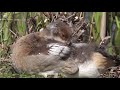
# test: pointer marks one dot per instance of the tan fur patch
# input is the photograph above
(100, 61)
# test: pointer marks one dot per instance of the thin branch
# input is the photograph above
(13, 33)
(78, 29)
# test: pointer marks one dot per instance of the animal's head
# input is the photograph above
(60, 31)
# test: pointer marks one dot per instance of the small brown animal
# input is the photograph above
(31, 52)
(43, 52)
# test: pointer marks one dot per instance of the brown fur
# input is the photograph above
(101, 62)
(26, 57)
(25, 52)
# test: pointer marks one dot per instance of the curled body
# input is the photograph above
(46, 52)
(31, 52)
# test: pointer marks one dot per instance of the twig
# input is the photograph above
(71, 16)
(5, 60)
(77, 29)
(13, 33)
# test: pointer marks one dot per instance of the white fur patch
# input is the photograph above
(88, 69)
(57, 49)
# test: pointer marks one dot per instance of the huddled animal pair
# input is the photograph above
(46, 52)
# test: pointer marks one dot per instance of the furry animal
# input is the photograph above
(31, 52)
(84, 62)
(46, 52)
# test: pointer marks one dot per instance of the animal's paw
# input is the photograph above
(58, 49)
